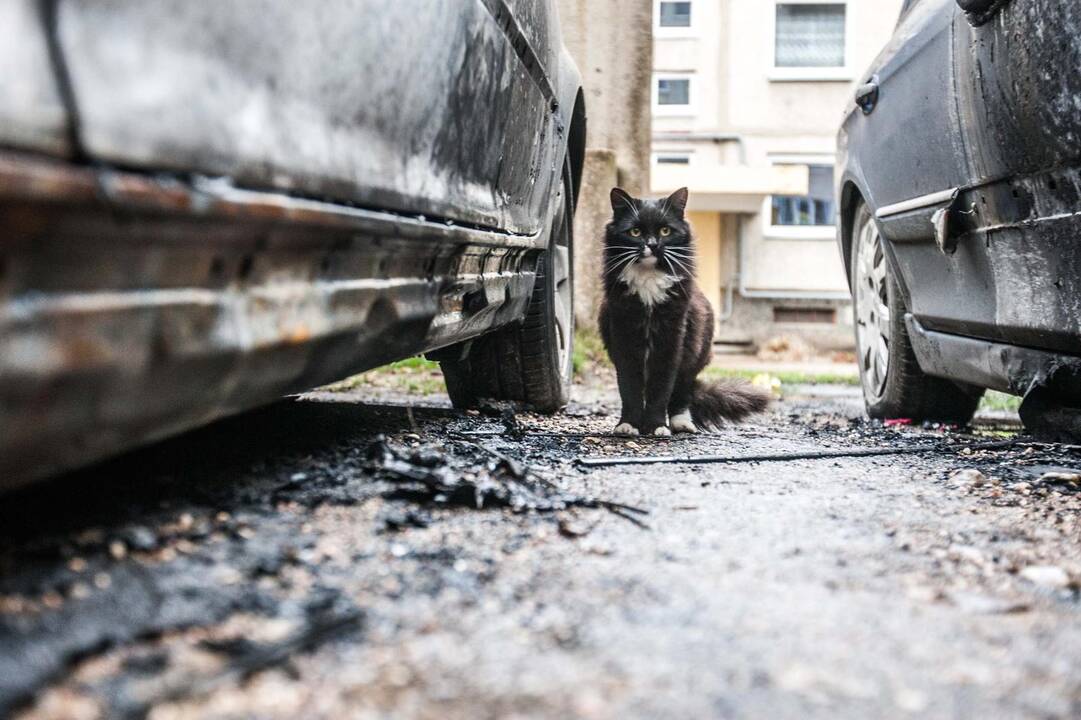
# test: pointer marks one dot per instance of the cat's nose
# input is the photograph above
(647, 251)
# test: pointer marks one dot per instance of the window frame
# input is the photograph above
(799, 232)
(688, 110)
(828, 73)
(663, 31)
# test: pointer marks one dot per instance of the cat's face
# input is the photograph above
(649, 234)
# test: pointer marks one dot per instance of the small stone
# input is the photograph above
(911, 701)
(968, 553)
(1047, 576)
(969, 477)
(141, 538)
(1061, 478)
(118, 550)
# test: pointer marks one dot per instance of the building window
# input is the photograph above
(674, 94)
(816, 209)
(673, 91)
(810, 35)
(672, 159)
(675, 14)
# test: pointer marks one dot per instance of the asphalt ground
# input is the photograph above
(344, 555)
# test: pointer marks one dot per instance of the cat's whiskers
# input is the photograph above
(675, 274)
(621, 256)
(670, 259)
(686, 252)
(688, 259)
(620, 263)
(685, 270)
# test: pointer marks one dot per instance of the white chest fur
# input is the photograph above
(649, 283)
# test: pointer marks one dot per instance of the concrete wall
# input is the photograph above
(612, 42)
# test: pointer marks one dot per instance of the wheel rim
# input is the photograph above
(564, 288)
(872, 312)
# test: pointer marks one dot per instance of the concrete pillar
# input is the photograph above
(612, 42)
(594, 211)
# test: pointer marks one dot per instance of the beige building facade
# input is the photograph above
(747, 96)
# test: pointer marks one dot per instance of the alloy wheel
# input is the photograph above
(872, 311)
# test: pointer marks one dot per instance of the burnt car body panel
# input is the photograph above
(412, 106)
(257, 200)
(32, 113)
(1002, 273)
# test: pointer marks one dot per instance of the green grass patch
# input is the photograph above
(413, 363)
(589, 351)
(786, 377)
(414, 376)
(997, 401)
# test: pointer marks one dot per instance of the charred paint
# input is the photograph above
(411, 106)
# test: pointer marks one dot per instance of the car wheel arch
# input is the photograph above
(851, 198)
(576, 144)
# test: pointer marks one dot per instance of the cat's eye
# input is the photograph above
(666, 231)
(635, 232)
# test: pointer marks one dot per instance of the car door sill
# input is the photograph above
(999, 366)
(135, 306)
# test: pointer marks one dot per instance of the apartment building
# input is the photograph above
(747, 98)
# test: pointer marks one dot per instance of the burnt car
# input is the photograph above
(208, 206)
(960, 211)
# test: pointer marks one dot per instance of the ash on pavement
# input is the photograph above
(330, 558)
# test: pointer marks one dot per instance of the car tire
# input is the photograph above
(893, 384)
(531, 361)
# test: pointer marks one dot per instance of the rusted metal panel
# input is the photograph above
(425, 106)
(32, 114)
(133, 306)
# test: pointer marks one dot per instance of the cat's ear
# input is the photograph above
(678, 201)
(621, 201)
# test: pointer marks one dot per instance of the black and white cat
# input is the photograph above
(658, 326)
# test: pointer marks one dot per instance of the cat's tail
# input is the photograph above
(728, 399)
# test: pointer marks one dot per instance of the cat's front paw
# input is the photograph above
(626, 429)
(683, 423)
(662, 431)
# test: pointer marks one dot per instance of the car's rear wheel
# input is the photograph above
(531, 361)
(894, 386)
